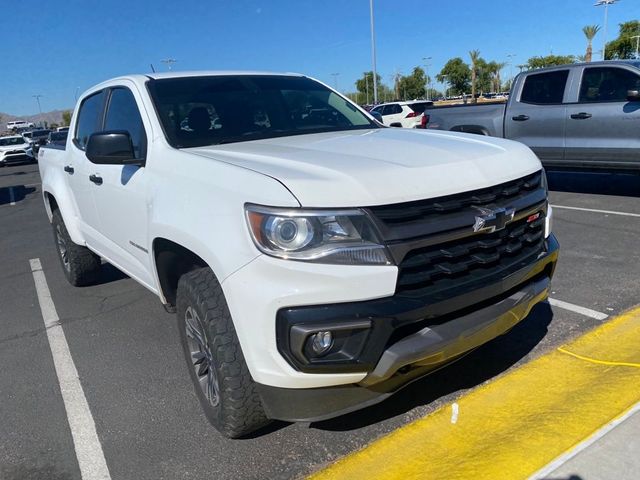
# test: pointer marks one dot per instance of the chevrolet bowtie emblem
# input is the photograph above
(491, 220)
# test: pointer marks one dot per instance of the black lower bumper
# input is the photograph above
(422, 340)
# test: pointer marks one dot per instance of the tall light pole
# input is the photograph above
(606, 4)
(637, 39)
(446, 87)
(510, 56)
(335, 80)
(373, 54)
(37, 97)
(168, 62)
(426, 70)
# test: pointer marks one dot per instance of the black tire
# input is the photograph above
(223, 384)
(80, 265)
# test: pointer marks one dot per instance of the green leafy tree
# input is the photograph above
(457, 75)
(590, 31)
(623, 46)
(549, 61)
(413, 86)
(66, 118)
(364, 85)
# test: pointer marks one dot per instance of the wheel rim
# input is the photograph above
(62, 247)
(201, 357)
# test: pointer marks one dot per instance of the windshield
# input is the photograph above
(11, 141)
(212, 110)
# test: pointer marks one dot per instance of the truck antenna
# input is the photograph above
(152, 69)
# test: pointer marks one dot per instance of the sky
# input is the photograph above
(62, 48)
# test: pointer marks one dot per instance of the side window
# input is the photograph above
(607, 84)
(89, 117)
(387, 110)
(123, 114)
(544, 88)
(397, 108)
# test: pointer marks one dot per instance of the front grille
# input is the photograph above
(471, 260)
(392, 215)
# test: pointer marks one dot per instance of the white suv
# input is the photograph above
(18, 125)
(402, 114)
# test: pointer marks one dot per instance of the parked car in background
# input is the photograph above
(583, 115)
(13, 149)
(19, 125)
(316, 261)
(57, 138)
(402, 114)
(62, 129)
(36, 139)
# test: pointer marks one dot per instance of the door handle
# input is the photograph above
(96, 179)
(69, 169)
(580, 116)
(520, 118)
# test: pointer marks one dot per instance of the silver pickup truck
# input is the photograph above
(584, 115)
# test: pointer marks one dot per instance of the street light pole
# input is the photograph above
(168, 62)
(637, 39)
(510, 57)
(606, 4)
(373, 54)
(426, 70)
(335, 80)
(37, 97)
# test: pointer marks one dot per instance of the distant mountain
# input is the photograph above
(54, 116)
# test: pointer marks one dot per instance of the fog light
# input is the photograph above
(321, 342)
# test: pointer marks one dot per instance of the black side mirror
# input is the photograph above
(377, 116)
(633, 95)
(112, 148)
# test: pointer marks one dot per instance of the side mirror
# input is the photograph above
(633, 95)
(377, 116)
(111, 148)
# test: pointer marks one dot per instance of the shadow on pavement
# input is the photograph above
(15, 194)
(598, 183)
(479, 366)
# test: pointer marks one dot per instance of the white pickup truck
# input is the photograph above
(317, 261)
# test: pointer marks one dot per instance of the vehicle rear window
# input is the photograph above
(607, 84)
(211, 110)
(544, 88)
(420, 107)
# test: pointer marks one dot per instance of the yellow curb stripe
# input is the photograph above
(518, 423)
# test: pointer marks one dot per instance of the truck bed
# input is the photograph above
(486, 119)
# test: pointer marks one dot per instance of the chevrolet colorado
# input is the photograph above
(583, 115)
(316, 260)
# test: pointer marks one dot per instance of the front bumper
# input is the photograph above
(416, 340)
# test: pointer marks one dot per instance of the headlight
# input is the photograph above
(548, 224)
(345, 237)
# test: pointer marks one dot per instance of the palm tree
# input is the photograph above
(590, 32)
(474, 55)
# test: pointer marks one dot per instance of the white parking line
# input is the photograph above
(609, 212)
(12, 196)
(91, 461)
(578, 309)
(565, 457)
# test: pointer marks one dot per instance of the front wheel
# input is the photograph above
(223, 384)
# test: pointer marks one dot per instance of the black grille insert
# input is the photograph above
(508, 192)
(471, 259)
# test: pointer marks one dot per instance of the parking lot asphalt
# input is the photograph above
(126, 350)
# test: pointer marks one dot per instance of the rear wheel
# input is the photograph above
(80, 265)
(223, 384)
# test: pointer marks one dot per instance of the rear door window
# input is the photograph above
(544, 88)
(89, 118)
(607, 84)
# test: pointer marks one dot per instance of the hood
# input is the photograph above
(378, 167)
(6, 148)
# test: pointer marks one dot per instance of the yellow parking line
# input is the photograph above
(518, 423)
